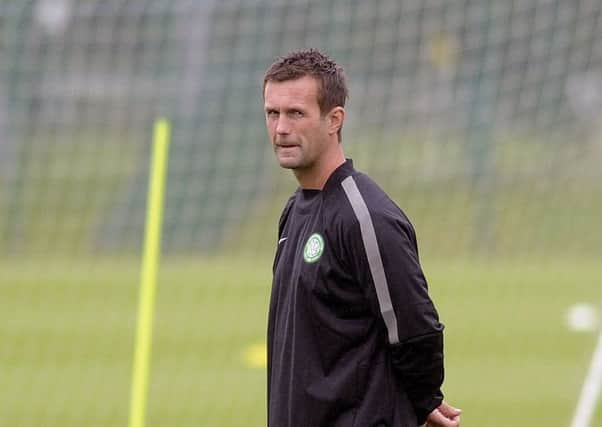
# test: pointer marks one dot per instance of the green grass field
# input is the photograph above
(67, 332)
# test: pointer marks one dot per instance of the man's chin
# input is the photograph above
(288, 163)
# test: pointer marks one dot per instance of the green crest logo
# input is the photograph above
(313, 248)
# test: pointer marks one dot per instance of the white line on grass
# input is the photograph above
(590, 390)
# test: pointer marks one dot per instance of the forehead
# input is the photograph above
(303, 91)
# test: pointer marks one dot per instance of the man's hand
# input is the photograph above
(444, 416)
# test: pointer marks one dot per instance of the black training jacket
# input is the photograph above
(353, 337)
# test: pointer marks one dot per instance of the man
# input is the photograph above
(353, 337)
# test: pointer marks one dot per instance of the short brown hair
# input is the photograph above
(332, 85)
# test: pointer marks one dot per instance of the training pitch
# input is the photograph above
(67, 333)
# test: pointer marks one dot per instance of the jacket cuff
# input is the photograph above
(423, 412)
(419, 364)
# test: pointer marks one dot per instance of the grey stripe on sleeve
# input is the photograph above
(373, 254)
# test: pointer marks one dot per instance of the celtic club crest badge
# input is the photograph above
(313, 248)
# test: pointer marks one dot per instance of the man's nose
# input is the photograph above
(282, 126)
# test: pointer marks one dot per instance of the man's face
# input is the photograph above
(297, 130)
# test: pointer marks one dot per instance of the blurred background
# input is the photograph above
(481, 118)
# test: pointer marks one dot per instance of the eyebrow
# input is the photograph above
(268, 108)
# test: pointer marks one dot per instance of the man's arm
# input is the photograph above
(386, 259)
(384, 253)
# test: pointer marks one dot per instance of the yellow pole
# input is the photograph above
(148, 278)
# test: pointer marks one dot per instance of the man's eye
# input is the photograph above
(272, 113)
(297, 113)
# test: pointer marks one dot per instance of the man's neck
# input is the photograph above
(316, 177)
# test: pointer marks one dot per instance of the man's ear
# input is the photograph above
(336, 117)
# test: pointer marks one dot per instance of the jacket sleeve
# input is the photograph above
(384, 257)
(281, 223)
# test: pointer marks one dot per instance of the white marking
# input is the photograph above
(590, 390)
(582, 318)
(375, 261)
(282, 240)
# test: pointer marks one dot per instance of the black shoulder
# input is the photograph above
(288, 207)
(361, 189)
